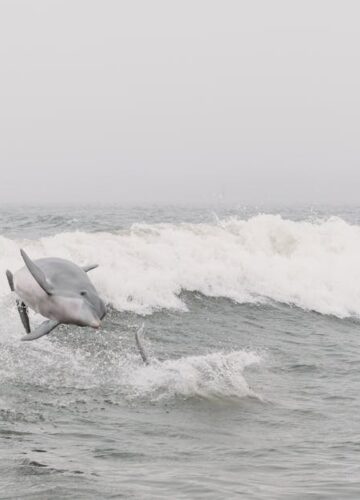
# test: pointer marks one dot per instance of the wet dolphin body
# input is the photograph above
(59, 290)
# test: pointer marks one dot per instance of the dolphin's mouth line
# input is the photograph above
(96, 325)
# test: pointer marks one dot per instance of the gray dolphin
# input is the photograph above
(58, 290)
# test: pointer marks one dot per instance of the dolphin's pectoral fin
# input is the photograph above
(44, 329)
(21, 307)
(23, 311)
(37, 273)
(139, 346)
(89, 267)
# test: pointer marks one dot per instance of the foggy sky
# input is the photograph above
(179, 101)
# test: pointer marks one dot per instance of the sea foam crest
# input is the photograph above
(314, 265)
(215, 375)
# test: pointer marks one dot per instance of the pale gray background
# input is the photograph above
(180, 101)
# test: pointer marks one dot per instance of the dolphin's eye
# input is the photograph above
(83, 293)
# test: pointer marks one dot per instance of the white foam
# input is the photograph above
(214, 375)
(314, 265)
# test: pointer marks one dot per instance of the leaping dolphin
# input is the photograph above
(58, 290)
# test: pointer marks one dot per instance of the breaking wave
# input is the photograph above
(314, 265)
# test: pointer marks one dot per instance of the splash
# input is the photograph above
(51, 364)
(216, 375)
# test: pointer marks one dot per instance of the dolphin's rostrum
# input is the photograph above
(58, 290)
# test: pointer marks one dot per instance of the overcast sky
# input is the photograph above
(190, 101)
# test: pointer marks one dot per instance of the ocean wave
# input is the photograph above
(314, 265)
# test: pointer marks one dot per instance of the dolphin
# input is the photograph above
(57, 289)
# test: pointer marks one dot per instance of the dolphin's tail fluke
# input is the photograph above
(10, 279)
(139, 346)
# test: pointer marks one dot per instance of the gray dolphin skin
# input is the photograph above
(58, 290)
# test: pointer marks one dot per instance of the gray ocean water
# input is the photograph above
(252, 323)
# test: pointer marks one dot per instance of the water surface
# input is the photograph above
(252, 325)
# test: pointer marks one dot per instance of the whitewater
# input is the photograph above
(251, 324)
(313, 265)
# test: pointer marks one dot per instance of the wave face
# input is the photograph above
(314, 265)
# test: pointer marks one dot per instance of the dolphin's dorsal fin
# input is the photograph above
(89, 267)
(139, 345)
(37, 273)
